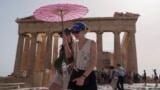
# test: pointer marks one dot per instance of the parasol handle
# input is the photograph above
(62, 21)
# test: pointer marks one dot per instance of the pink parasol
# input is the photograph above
(60, 12)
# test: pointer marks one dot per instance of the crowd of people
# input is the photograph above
(115, 76)
(78, 59)
(103, 77)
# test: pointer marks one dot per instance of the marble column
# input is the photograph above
(132, 55)
(117, 48)
(25, 53)
(32, 53)
(37, 61)
(43, 49)
(18, 60)
(55, 47)
(48, 52)
(99, 49)
(40, 53)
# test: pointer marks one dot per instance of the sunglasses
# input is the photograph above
(76, 32)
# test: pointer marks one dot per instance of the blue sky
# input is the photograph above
(147, 35)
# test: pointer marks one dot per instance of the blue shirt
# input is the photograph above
(121, 71)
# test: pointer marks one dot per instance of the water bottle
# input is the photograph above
(64, 69)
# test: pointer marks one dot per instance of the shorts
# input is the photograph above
(89, 83)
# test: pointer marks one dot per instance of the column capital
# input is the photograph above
(99, 32)
(132, 31)
(21, 34)
(26, 35)
(49, 33)
(116, 32)
(34, 34)
(56, 34)
(39, 42)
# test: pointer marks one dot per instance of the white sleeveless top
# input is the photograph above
(82, 57)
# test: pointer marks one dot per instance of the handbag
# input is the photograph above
(58, 62)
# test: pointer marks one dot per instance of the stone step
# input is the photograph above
(32, 88)
(9, 86)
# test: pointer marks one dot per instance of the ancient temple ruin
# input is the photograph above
(37, 46)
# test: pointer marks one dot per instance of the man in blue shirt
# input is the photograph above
(121, 77)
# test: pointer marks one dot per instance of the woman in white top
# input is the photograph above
(85, 59)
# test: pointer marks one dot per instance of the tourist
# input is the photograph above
(113, 77)
(83, 76)
(130, 77)
(57, 83)
(101, 78)
(155, 77)
(145, 77)
(121, 77)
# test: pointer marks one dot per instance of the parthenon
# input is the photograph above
(37, 46)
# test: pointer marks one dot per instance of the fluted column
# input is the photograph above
(25, 53)
(17, 65)
(40, 53)
(32, 53)
(37, 61)
(48, 52)
(117, 48)
(99, 49)
(55, 47)
(43, 49)
(132, 55)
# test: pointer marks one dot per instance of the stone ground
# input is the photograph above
(135, 86)
(138, 86)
